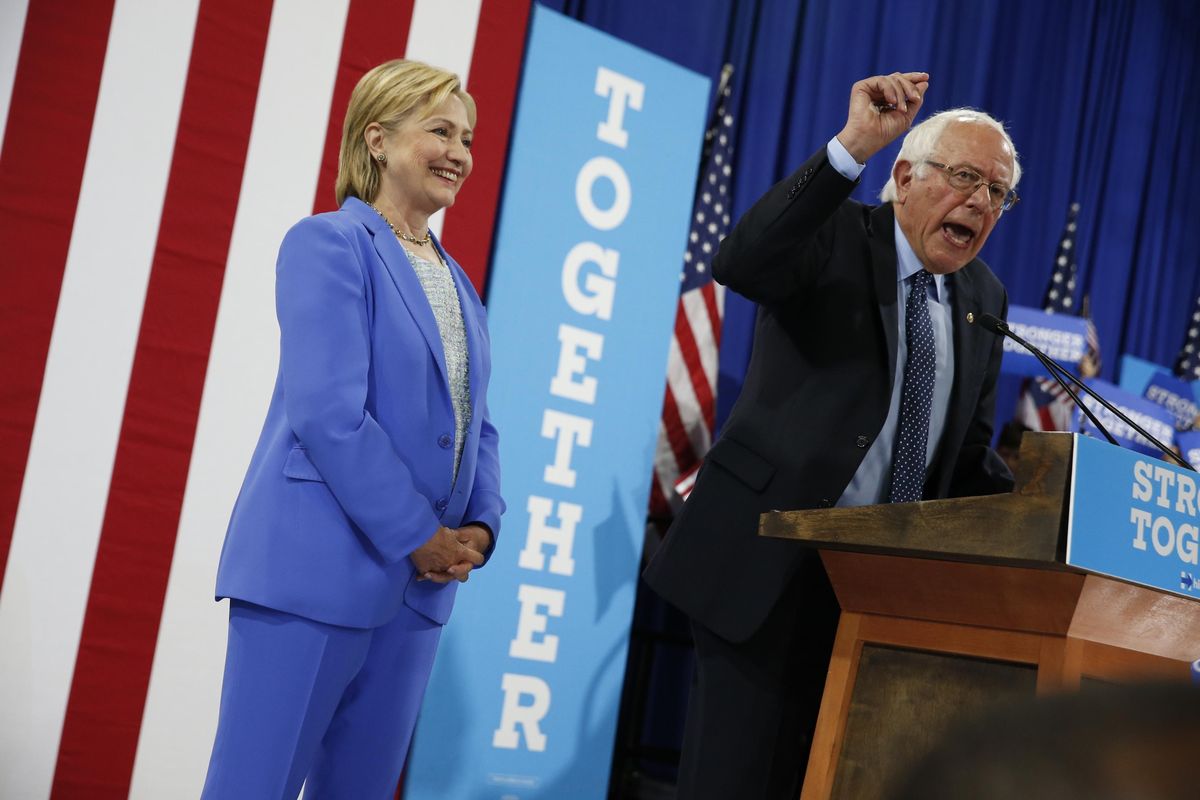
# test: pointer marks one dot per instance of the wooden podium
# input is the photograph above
(950, 605)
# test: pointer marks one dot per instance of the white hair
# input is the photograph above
(920, 142)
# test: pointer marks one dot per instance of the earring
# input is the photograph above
(381, 158)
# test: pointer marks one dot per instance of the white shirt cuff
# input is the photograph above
(842, 161)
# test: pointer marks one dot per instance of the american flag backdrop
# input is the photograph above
(1043, 405)
(153, 155)
(689, 405)
(1187, 363)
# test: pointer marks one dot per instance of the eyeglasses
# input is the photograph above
(966, 180)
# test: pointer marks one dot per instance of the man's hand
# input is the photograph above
(448, 555)
(881, 108)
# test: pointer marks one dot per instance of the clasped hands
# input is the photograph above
(451, 553)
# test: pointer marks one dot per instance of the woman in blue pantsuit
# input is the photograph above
(375, 486)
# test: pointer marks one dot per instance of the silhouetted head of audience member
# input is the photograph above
(1105, 743)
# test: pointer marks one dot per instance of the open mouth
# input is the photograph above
(959, 235)
(445, 174)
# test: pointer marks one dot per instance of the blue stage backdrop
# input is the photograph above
(524, 697)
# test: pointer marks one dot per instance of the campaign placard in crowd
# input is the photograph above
(1175, 395)
(1136, 373)
(1156, 419)
(1189, 447)
(1134, 517)
(594, 222)
(1062, 337)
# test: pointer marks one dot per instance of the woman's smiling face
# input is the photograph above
(428, 159)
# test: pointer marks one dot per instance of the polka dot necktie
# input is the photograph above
(916, 395)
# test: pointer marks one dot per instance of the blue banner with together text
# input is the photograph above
(1134, 517)
(525, 691)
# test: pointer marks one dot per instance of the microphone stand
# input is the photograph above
(1058, 372)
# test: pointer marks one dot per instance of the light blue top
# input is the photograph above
(873, 480)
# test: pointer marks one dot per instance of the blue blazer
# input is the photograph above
(354, 467)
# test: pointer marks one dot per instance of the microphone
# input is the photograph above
(999, 327)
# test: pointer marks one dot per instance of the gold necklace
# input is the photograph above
(405, 236)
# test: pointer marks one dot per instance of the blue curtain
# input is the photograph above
(1101, 97)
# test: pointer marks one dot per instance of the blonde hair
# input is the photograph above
(388, 94)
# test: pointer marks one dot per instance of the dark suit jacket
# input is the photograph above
(823, 269)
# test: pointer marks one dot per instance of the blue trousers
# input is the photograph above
(305, 701)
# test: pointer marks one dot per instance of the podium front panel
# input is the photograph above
(901, 704)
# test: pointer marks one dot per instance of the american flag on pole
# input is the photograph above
(689, 406)
(1187, 363)
(152, 155)
(1043, 405)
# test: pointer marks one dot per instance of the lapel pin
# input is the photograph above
(971, 317)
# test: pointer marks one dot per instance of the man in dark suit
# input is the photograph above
(868, 384)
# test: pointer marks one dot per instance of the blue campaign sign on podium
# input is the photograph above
(584, 285)
(1134, 517)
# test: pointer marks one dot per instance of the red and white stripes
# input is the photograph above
(153, 155)
(689, 405)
